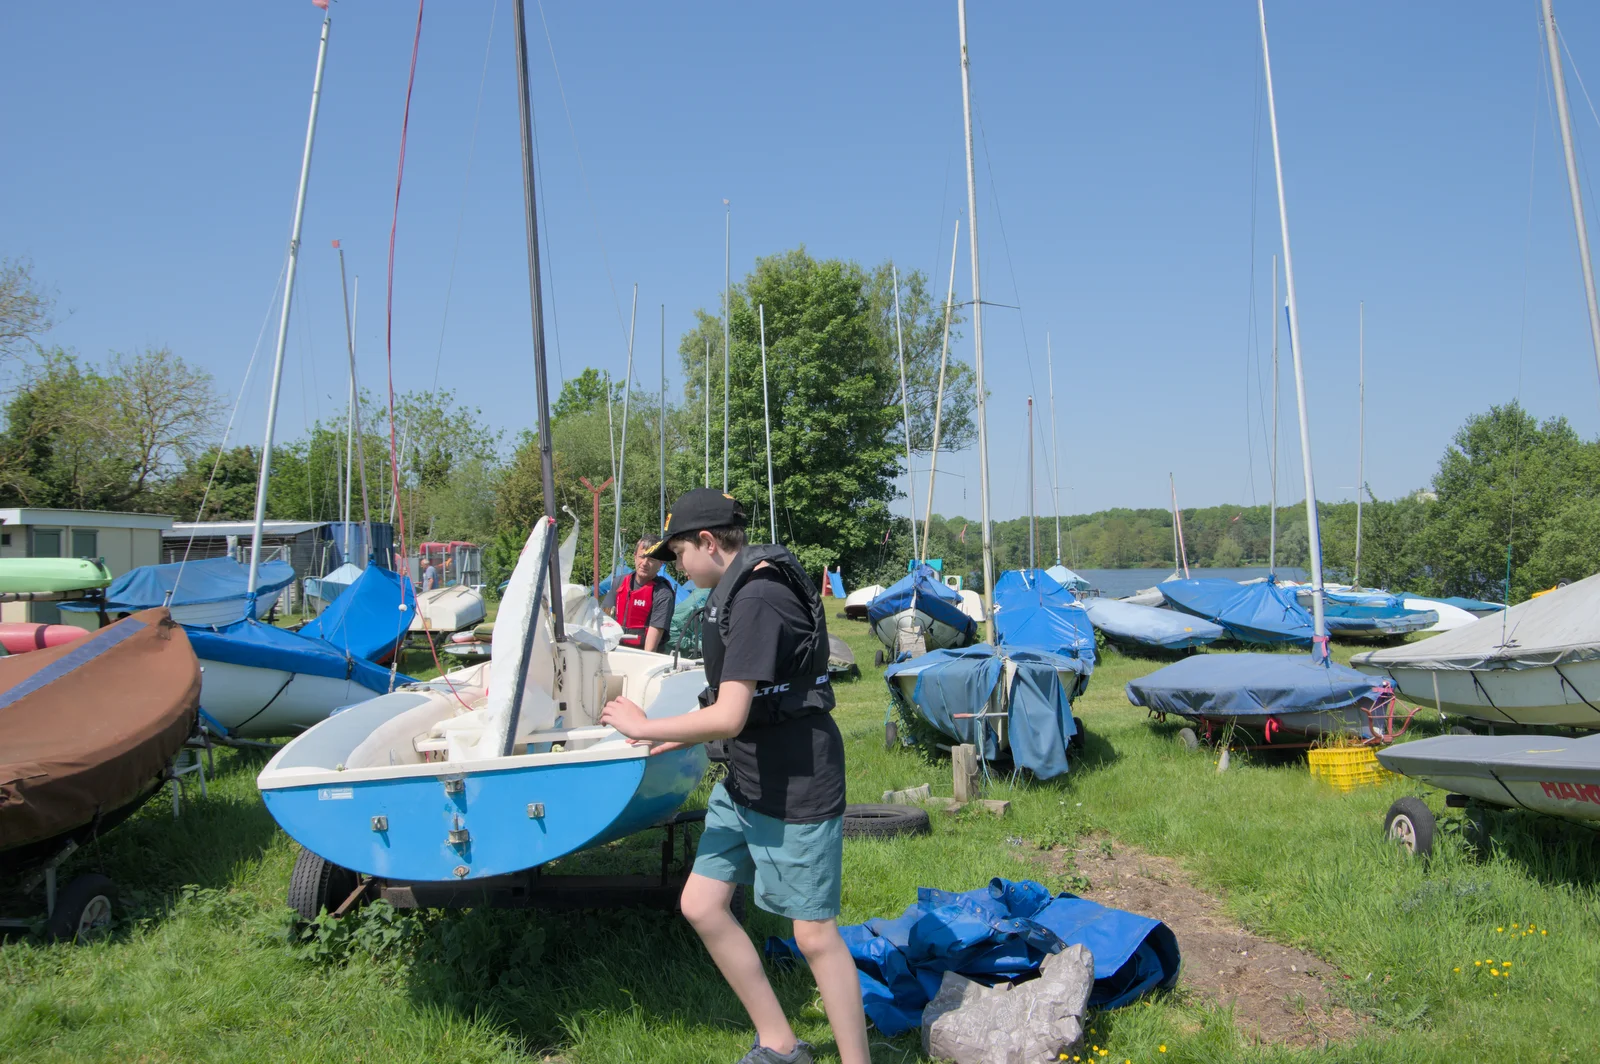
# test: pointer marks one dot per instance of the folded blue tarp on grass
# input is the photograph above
(996, 934)
(370, 617)
(1252, 613)
(959, 681)
(1031, 609)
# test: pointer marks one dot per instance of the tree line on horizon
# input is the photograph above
(1511, 509)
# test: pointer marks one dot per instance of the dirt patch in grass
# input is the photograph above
(1278, 994)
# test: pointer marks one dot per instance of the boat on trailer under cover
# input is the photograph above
(921, 603)
(496, 768)
(1543, 774)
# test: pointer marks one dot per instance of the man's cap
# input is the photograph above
(699, 509)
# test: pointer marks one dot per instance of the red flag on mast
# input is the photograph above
(321, 3)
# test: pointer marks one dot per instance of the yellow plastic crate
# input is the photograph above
(1347, 767)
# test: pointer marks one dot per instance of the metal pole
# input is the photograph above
(1313, 530)
(536, 297)
(708, 415)
(1558, 76)
(622, 456)
(766, 416)
(283, 325)
(977, 319)
(1361, 430)
(361, 440)
(905, 412)
(355, 420)
(1033, 522)
(662, 420)
(1272, 535)
(938, 399)
(595, 531)
(1055, 451)
(727, 253)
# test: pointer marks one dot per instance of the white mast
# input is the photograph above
(938, 399)
(661, 420)
(1055, 452)
(1033, 522)
(708, 414)
(1272, 540)
(622, 458)
(1361, 429)
(727, 257)
(1558, 76)
(905, 412)
(1313, 530)
(766, 417)
(350, 311)
(283, 323)
(977, 322)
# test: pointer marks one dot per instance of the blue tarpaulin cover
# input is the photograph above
(1252, 613)
(1031, 609)
(1369, 618)
(932, 598)
(1067, 578)
(1243, 685)
(263, 646)
(1147, 626)
(1039, 715)
(999, 933)
(1471, 605)
(370, 617)
(203, 580)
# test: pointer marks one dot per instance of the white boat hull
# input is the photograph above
(937, 634)
(448, 609)
(254, 702)
(1545, 696)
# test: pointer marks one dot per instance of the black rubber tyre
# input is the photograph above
(1411, 824)
(891, 735)
(1188, 738)
(316, 885)
(1459, 730)
(1080, 738)
(84, 910)
(842, 615)
(877, 658)
(884, 821)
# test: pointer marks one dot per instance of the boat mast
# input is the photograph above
(1313, 530)
(1361, 428)
(350, 310)
(662, 420)
(1272, 535)
(977, 323)
(1558, 76)
(708, 415)
(1180, 552)
(536, 297)
(622, 456)
(938, 398)
(283, 325)
(766, 417)
(1033, 522)
(727, 258)
(1055, 452)
(905, 413)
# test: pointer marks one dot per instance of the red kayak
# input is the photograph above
(19, 637)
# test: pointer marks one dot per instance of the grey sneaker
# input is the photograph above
(760, 1054)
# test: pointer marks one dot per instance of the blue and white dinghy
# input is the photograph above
(920, 604)
(497, 768)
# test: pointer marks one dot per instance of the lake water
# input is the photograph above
(1117, 583)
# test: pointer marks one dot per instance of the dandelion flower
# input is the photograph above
(1477, 964)
(1499, 930)
(1458, 969)
(1505, 964)
(1542, 931)
(1162, 1049)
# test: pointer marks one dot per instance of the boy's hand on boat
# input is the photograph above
(624, 715)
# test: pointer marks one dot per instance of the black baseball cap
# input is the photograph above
(696, 510)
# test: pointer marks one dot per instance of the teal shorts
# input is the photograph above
(796, 869)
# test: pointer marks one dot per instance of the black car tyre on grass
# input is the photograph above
(884, 821)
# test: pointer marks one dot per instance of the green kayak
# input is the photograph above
(38, 575)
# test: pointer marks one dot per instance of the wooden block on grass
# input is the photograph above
(994, 806)
(964, 768)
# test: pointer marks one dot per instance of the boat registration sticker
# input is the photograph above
(335, 794)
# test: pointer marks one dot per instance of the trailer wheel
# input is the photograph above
(1411, 823)
(891, 735)
(884, 821)
(877, 658)
(84, 910)
(317, 885)
(1080, 737)
(1188, 738)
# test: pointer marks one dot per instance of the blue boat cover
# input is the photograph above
(1067, 578)
(202, 580)
(1360, 617)
(932, 597)
(1471, 605)
(1147, 626)
(1358, 598)
(1032, 610)
(1252, 613)
(263, 646)
(1244, 685)
(370, 617)
(380, 550)
(999, 933)
(960, 681)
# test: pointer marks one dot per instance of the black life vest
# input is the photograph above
(787, 697)
(633, 610)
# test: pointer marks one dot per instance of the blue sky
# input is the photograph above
(1125, 198)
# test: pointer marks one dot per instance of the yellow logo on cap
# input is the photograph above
(730, 498)
(668, 524)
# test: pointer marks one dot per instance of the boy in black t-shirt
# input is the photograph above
(776, 821)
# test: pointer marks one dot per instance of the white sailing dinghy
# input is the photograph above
(497, 768)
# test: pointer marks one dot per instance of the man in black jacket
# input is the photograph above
(776, 821)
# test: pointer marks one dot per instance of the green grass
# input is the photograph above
(200, 969)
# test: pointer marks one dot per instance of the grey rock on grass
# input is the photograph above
(1032, 1023)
